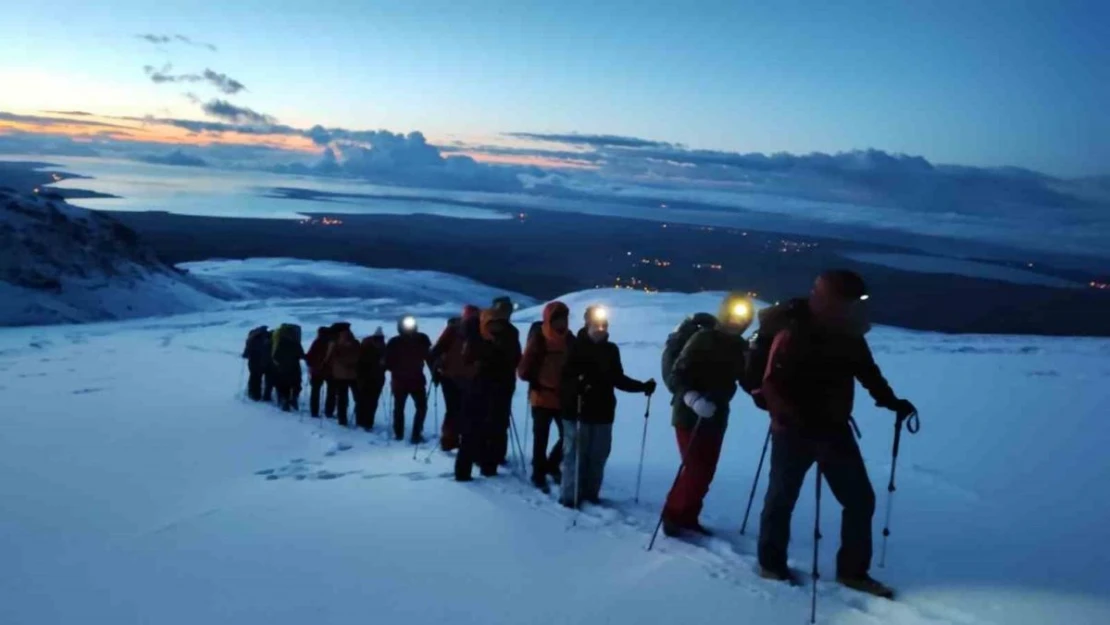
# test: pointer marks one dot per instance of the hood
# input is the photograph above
(470, 311)
(322, 332)
(489, 320)
(552, 310)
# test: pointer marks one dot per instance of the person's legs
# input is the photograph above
(399, 398)
(600, 444)
(315, 384)
(791, 458)
(254, 383)
(541, 430)
(842, 465)
(572, 440)
(343, 398)
(420, 399)
(452, 400)
(555, 460)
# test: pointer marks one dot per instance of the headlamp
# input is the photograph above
(599, 314)
(864, 297)
(409, 323)
(740, 310)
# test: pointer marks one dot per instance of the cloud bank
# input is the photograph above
(222, 82)
(164, 39)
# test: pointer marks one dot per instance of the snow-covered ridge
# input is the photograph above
(61, 263)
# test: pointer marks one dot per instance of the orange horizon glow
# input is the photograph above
(87, 129)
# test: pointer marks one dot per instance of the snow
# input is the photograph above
(136, 486)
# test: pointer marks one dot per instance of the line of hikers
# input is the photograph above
(800, 366)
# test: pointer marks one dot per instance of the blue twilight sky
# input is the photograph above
(973, 82)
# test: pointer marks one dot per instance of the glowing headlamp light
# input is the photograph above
(599, 315)
(741, 310)
(409, 323)
(864, 298)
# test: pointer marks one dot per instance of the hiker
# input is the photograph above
(257, 352)
(809, 390)
(341, 364)
(317, 374)
(492, 349)
(501, 403)
(405, 357)
(370, 380)
(287, 355)
(704, 378)
(450, 373)
(545, 356)
(595, 371)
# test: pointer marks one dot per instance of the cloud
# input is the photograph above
(41, 120)
(224, 110)
(176, 158)
(594, 141)
(164, 39)
(222, 82)
(70, 113)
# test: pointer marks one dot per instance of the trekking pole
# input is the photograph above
(527, 426)
(577, 464)
(435, 404)
(514, 443)
(681, 466)
(519, 445)
(755, 481)
(913, 424)
(816, 541)
(643, 444)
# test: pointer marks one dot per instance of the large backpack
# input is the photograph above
(772, 320)
(678, 339)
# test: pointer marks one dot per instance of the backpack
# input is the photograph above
(772, 320)
(678, 339)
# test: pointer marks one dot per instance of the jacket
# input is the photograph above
(288, 355)
(544, 359)
(405, 357)
(317, 352)
(712, 364)
(371, 359)
(342, 358)
(809, 383)
(494, 353)
(593, 373)
(258, 349)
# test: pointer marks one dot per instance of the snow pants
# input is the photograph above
(315, 384)
(420, 399)
(544, 464)
(501, 411)
(452, 400)
(838, 458)
(685, 501)
(339, 395)
(589, 445)
(475, 429)
(260, 383)
(368, 394)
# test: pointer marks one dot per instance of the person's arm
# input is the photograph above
(869, 375)
(780, 365)
(391, 355)
(426, 345)
(683, 375)
(526, 370)
(620, 380)
(443, 343)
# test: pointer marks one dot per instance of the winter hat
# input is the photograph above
(379, 332)
(503, 303)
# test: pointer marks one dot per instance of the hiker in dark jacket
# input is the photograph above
(492, 351)
(405, 358)
(371, 379)
(594, 372)
(542, 367)
(258, 353)
(288, 354)
(809, 388)
(317, 375)
(451, 374)
(501, 404)
(704, 379)
(341, 363)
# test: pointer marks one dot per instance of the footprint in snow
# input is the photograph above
(338, 448)
(86, 391)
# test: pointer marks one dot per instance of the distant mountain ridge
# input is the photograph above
(61, 263)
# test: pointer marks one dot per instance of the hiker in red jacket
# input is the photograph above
(809, 389)
(542, 367)
(405, 357)
(451, 374)
(316, 371)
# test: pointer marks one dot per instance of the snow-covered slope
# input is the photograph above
(136, 487)
(61, 264)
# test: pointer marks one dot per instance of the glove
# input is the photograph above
(649, 388)
(699, 404)
(904, 408)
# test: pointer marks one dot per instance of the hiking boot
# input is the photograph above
(594, 500)
(783, 574)
(698, 528)
(556, 476)
(398, 436)
(540, 482)
(567, 504)
(417, 439)
(671, 528)
(867, 584)
(464, 478)
(489, 471)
